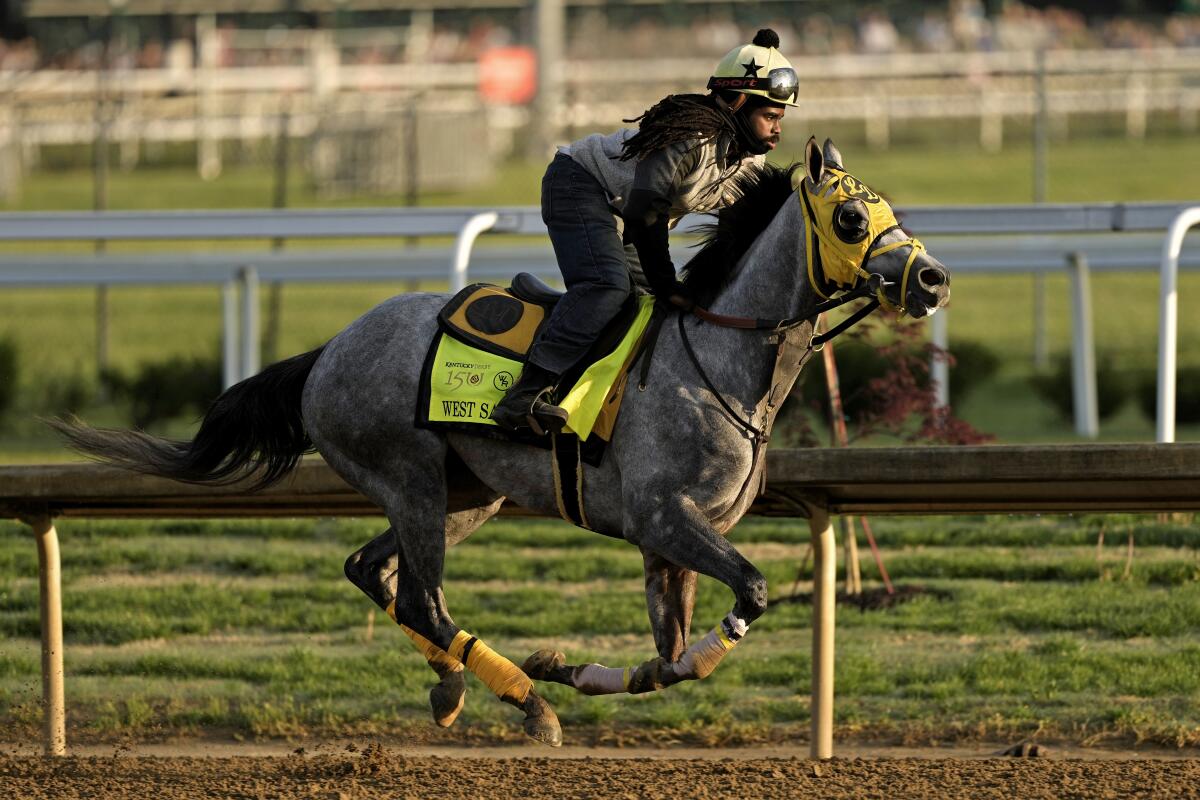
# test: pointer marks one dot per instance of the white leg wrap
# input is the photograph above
(735, 627)
(698, 661)
(595, 679)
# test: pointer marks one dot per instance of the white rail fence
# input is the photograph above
(1168, 319)
(969, 239)
(208, 103)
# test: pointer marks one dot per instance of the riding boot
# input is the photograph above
(527, 403)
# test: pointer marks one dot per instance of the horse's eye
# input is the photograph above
(850, 221)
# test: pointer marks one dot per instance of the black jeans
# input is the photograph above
(595, 265)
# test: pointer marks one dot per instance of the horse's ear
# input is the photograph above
(832, 157)
(814, 161)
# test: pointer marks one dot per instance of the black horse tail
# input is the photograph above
(254, 428)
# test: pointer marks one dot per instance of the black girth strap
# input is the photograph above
(568, 478)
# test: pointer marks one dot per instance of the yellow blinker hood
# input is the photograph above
(840, 262)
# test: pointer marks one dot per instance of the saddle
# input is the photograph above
(484, 334)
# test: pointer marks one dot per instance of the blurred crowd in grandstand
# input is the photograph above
(959, 25)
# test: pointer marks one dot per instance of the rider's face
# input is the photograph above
(766, 122)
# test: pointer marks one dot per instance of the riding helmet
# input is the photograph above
(757, 69)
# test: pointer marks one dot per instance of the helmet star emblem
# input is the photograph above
(751, 69)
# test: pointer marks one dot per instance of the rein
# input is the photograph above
(872, 288)
(757, 434)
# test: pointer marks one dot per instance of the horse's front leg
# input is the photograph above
(670, 598)
(670, 593)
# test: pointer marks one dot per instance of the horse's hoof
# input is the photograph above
(538, 665)
(447, 698)
(541, 723)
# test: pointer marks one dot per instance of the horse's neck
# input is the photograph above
(769, 282)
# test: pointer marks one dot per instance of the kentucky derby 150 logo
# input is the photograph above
(459, 374)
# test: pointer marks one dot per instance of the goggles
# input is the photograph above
(781, 83)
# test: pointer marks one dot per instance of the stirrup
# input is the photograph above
(531, 412)
(547, 419)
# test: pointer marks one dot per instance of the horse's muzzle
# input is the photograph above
(931, 292)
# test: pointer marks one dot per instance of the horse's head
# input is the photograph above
(852, 236)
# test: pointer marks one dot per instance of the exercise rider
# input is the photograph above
(608, 202)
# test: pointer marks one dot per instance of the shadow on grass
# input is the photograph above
(876, 599)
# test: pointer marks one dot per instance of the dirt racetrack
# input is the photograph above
(378, 772)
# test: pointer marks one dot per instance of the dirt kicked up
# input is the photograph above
(378, 772)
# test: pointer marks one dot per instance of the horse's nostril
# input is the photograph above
(931, 277)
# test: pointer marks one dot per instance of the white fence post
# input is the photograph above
(1168, 320)
(1083, 349)
(824, 603)
(50, 603)
(550, 30)
(230, 368)
(248, 278)
(939, 369)
(208, 39)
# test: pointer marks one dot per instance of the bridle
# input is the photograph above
(862, 284)
(817, 238)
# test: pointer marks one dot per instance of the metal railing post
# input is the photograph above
(230, 369)
(463, 244)
(824, 545)
(50, 604)
(1083, 349)
(248, 278)
(1168, 320)
(939, 370)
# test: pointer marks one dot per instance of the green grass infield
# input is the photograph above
(1018, 627)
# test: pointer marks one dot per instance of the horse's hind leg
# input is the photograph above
(421, 606)
(374, 568)
(413, 492)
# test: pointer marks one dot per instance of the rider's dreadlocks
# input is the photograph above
(678, 118)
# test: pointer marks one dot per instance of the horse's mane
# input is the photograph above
(761, 193)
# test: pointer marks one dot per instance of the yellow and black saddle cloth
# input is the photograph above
(484, 333)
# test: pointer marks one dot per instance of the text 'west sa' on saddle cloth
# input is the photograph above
(483, 335)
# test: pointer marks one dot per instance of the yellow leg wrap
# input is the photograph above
(708, 652)
(499, 674)
(436, 656)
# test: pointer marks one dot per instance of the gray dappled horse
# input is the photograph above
(686, 456)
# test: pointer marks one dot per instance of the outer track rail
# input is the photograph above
(801, 483)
